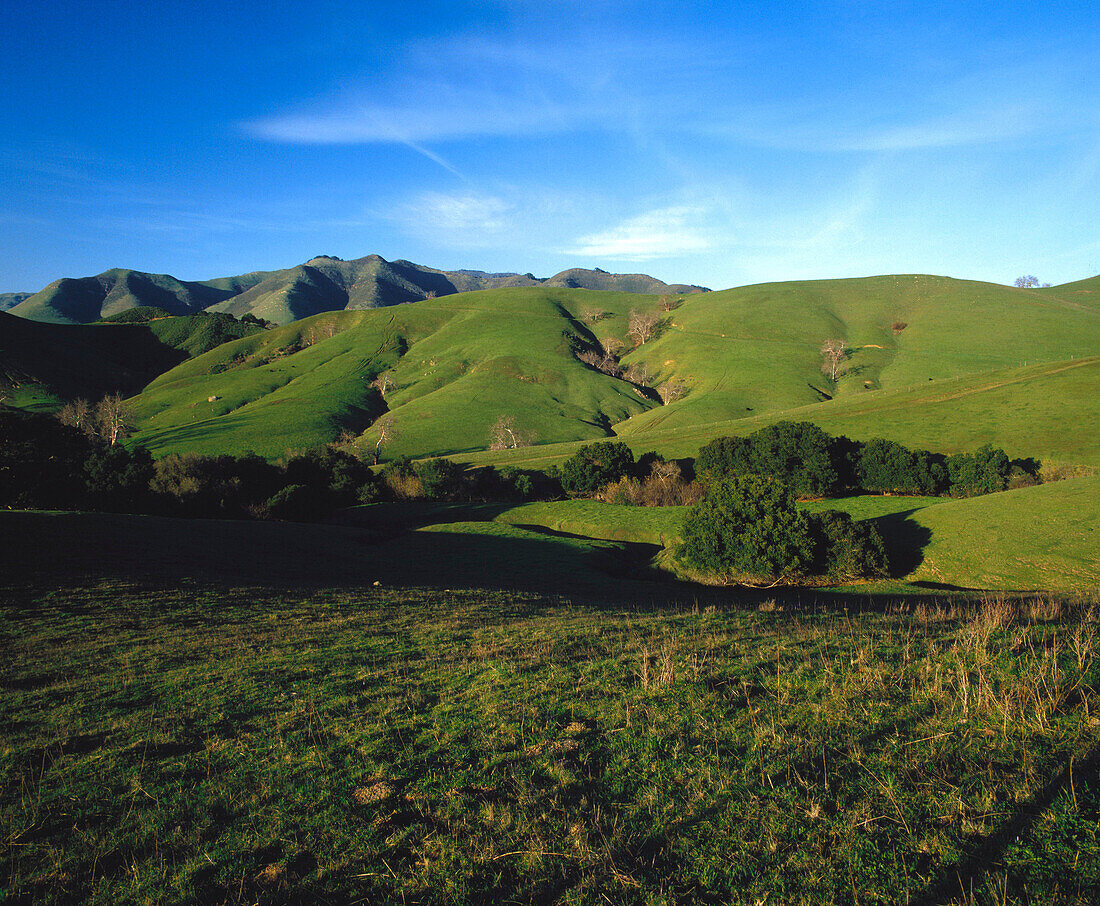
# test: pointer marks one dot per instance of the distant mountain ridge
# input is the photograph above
(10, 300)
(319, 285)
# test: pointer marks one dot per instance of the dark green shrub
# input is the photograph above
(440, 479)
(118, 479)
(886, 467)
(595, 465)
(725, 456)
(798, 453)
(41, 461)
(335, 476)
(199, 486)
(982, 472)
(848, 549)
(748, 528)
(517, 483)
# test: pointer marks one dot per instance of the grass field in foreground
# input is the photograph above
(250, 744)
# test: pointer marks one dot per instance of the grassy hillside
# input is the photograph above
(935, 363)
(457, 365)
(1046, 411)
(1040, 537)
(757, 349)
(57, 361)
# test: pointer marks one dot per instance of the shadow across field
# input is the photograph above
(1080, 777)
(905, 541)
(54, 547)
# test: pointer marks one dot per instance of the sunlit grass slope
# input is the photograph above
(457, 364)
(935, 362)
(757, 349)
(1045, 411)
(1045, 537)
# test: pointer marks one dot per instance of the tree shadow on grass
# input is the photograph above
(958, 881)
(905, 541)
(58, 548)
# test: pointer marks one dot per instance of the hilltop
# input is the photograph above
(321, 284)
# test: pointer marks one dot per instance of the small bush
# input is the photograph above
(118, 479)
(440, 479)
(886, 467)
(595, 465)
(664, 485)
(748, 529)
(401, 478)
(983, 472)
(848, 549)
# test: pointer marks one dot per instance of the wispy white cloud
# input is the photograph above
(464, 219)
(476, 85)
(845, 131)
(663, 233)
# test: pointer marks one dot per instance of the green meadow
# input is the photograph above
(516, 702)
(276, 743)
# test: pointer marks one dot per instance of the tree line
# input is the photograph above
(816, 464)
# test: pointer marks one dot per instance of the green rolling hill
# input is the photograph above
(43, 363)
(935, 362)
(457, 365)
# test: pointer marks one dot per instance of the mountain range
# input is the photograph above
(322, 284)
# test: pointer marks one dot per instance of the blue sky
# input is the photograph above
(712, 143)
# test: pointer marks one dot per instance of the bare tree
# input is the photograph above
(670, 391)
(592, 313)
(112, 418)
(669, 303)
(1027, 281)
(383, 383)
(504, 435)
(612, 345)
(642, 325)
(833, 352)
(78, 414)
(665, 472)
(387, 432)
(638, 373)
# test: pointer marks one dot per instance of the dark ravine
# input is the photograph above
(321, 284)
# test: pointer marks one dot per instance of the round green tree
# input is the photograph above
(748, 528)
